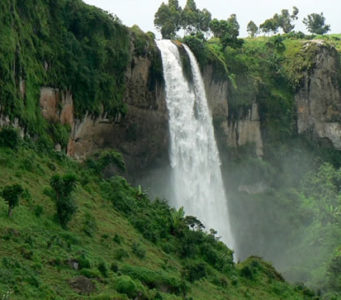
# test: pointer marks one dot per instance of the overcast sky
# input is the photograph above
(141, 12)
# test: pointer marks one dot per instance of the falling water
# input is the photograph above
(197, 181)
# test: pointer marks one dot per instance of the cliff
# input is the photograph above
(319, 98)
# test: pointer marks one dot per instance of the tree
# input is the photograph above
(226, 30)
(194, 20)
(62, 188)
(9, 137)
(168, 19)
(252, 29)
(11, 194)
(270, 25)
(283, 21)
(315, 23)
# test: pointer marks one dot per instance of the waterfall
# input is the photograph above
(196, 176)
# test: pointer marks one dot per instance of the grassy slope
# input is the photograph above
(35, 250)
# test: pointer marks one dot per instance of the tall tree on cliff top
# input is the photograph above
(195, 20)
(171, 17)
(315, 23)
(168, 19)
(283, 21)
(252, 29)
(226, 30)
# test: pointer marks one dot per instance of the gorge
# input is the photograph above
(81, 94)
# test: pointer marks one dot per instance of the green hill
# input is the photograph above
(118, 245)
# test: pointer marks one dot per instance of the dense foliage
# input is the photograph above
(118, 245)
(63, 44)
(316, 23)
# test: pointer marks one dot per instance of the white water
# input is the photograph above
(197, 181)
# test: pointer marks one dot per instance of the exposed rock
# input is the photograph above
(6, 121)
(217, 94)
(82, 285)
(319, 99)
(141, 136)
(231, 134)
(56, 106)
(246, 131)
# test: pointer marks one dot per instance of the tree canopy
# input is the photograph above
(168, 19)
(226, 30)
(284, 21)
(11, 194)
(252, 29)
(315, 23)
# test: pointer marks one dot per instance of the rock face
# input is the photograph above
(246, 131)
(56, 106)
(319, 99)
(234, 133)
(142, 136)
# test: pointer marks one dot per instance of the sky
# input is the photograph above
(141, 12)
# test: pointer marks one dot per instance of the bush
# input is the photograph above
(90, 273)
(9, 137)
(125, 285)
(11, 194)
(38, 210)
(120, 254)
(155, 279)
(102, 267)
(138, 250)
(117, 239)
(194, 271)
(114, 267)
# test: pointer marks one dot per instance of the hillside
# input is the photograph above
(119, 244)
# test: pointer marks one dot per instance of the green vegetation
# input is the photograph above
(283, 21)
(11, 194)
(118, 242)
(293, 217)
(62, 44)
(316, 23)
(299, 206)
(62, 189)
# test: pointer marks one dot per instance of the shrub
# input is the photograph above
(125, 285)
(38, 210)
(9, 137)
(194, 271)
(11, 194)
(114, 267)
(246, 272)
(102, 267)
(120, 254)
(83, 262)
(90, 273)
(117, 239)
(138, 250)
(155, 279)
